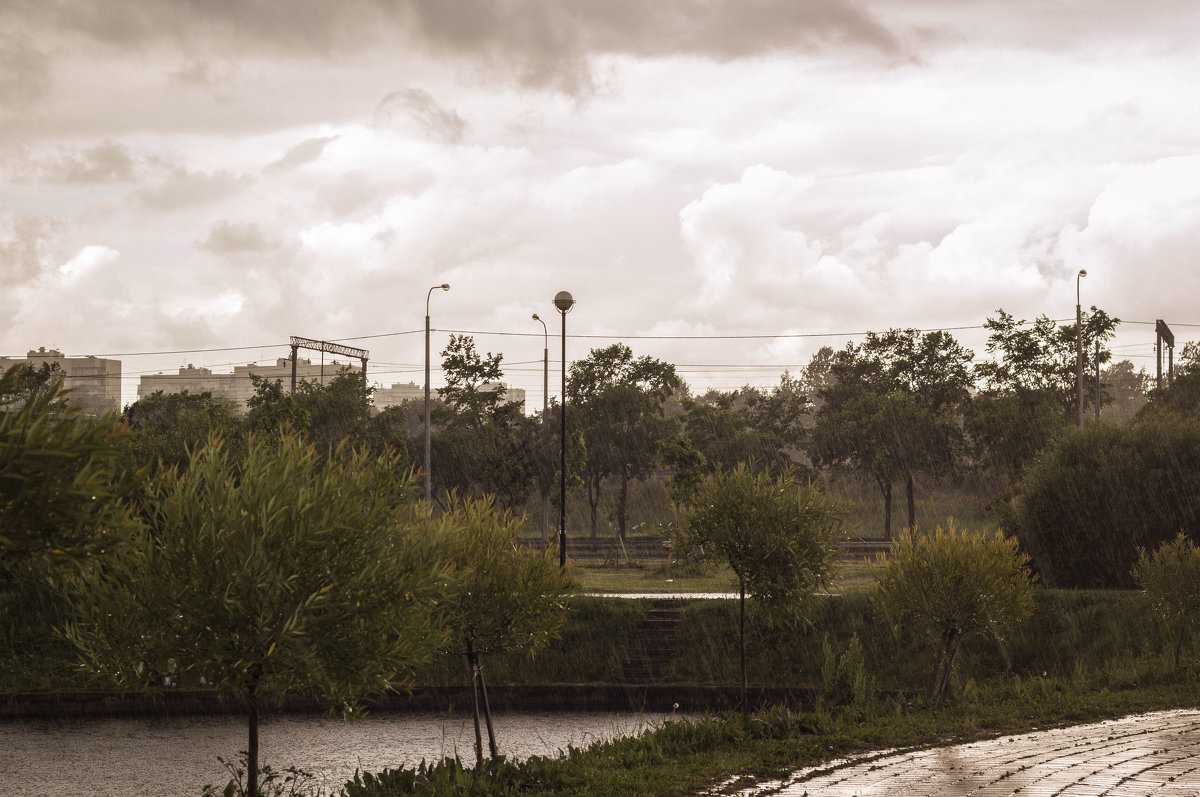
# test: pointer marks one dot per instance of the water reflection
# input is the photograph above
(177, 756)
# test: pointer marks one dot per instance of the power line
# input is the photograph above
(772, 336)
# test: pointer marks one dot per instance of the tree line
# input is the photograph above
(898, 410)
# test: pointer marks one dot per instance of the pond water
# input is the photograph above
(170, 757)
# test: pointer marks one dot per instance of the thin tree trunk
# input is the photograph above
(475, 705)
(1179, 645)
(593, 497)
(252, 744)
(886, 489)
(949, 669)
(912, 506)
(622, 506)
(937, 668)
(742, 647)
(487, 708)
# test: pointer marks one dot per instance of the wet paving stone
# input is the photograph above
(1149, 754)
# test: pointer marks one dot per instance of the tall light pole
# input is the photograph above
(563, 301)
(1079, 344)
(545, 418)
(428, 485)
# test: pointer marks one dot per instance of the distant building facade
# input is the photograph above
(236, 387)
(94, 382)
(397, 394)
(508, 395)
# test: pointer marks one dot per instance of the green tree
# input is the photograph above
(952, 583)
(1097, 494)
(270, 575)
(471, 392)
(167, 426)
(780, 539)
(1030, 386)
(337, 411)
(890, 410)
(1008, 430)
(1181, 397)
(509, 597)
(1170, 576)
(1029, 392)
(780, 416)
(616, 401)
(62, 481)
(483, 444)
(499, 457)
(1042, 357)
(271, 409)
(1125, 390)
(29, 379)
(719, 427)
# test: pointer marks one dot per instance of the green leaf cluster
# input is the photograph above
(61, 478)
(1093, 498)
(270, 575)
(780, 538)
(1170, 576)
(951, 583)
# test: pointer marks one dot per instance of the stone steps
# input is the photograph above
(652, 647)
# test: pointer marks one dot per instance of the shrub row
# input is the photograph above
(1071, 633)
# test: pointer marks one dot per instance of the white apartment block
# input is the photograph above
(236, 387)
(397, 394)
(94, 382)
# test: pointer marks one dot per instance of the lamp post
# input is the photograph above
(428, 486)
(545, 418)
(563, 301)
(1079, 345)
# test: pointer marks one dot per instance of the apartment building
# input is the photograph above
(94, 382)
(237, 387)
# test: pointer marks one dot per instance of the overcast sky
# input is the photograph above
(187, 175)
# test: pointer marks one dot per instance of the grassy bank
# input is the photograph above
(1105, 639)
(688, 758)
(1102, 638)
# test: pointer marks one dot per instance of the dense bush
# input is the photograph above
(950, 584)
(1170, 575)
(1070, 632)
(1099, 494)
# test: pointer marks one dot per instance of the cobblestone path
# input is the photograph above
(1149, 754)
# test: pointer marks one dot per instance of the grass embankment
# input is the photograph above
(1083, 656)
(720, 755)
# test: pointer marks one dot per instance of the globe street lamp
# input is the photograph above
(563, 301)
(428, 487)
(545, 417)
(1079, 344)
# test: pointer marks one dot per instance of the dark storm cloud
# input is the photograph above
(182, 188)
(304, 152)
(20, 249)
(539, 43)
(107, 162)
(25, 75)
(419, 108)
(235, 237)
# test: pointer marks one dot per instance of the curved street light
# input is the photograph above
(545, 418)
(1079, 345)
(428, 484)
(563, 302)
